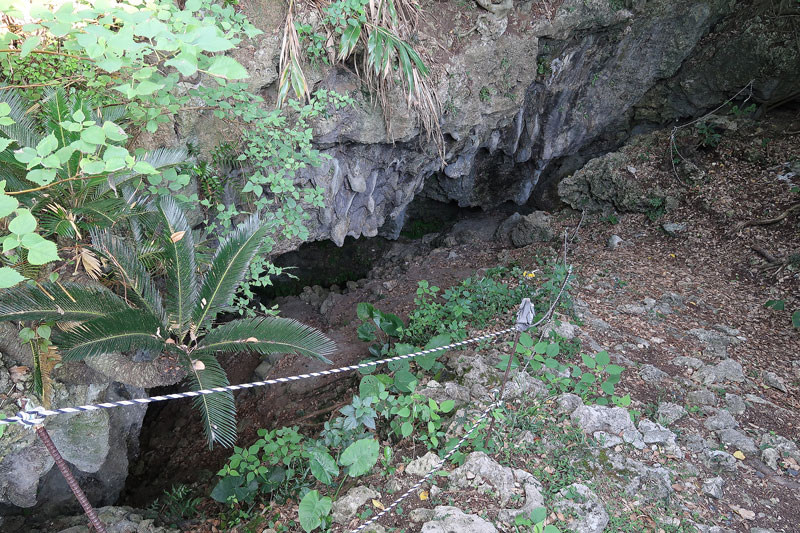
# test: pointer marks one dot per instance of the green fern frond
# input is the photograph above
(118, 332)
(132, 272)
(52, 301)
(182, 280)
(228, 268)
(218, 410)
(268, 335)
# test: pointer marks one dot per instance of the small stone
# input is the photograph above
(422, 465)
(652, 375)
(735, 404)
(747, 514)
(727, 370)
(670, 412)
(722, 420)
(720, 461)
(771, 456)
(701, 397)
(738, 440)
(713, 487)
(614, 242)
(632, 309)
(346, 507)
(772, 379)
(673, 229)
(607, 440)
(567, 403)
(390, 285)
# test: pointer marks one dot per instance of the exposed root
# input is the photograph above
(768, 221)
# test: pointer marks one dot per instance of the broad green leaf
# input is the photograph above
(227, 67)
(4, 143)
(92, 167)
(29, 45)
(360, 457)
(23, 223)
(41, 176)
(541, 347)
(778, 305)
(40, 250)
(114, 132)
(614, 370)
(607, 387)
(323, 466)
(602, 358)
(9, 277)
(143, 167)
(553, 349)
(796, 319)
(7, 203)
(526, 340)
(370, 386)
(186, 64)
(406, 428)
(405, 381)
(588, 360)
(365, 311)
(311, 510)
(93, 135)
(5, 109)
(25, 154)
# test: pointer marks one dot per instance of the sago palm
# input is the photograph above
(180, 324)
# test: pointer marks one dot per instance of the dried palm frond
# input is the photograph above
(291, 76)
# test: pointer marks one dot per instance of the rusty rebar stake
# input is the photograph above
(503, 385)
(94, 520)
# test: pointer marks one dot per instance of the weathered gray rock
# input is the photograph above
(479, 469)
(673, 229)
(585, 510)
(346, 507)
(612, 420)
(691, 362)
(784, 446)
(653, 433)
(701, 397)
(719, 461)
(652, 375)
(116, 520)
(735, 404)
(651, 484)
(718, 340)
(738, 441)
(614, 242)
(669, 412)
(721, 420)
(771, 457)
(773, 380)
(567, 403)
(533, 496)
(452, 519)
(536, 227)
(727, 370)
(422, 465)
(713, 487)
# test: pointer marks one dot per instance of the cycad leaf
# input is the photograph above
(49, 301)
(268, 335)
(179, 246)
(24, 130)
(218, 410)
(228, 267)
(131, 271)
(159, 159)
(118, 332)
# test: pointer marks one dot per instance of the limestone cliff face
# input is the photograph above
(526, 99)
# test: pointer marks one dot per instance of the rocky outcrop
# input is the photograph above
(97, 445)
(521, 109)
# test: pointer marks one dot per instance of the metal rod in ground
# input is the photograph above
(503, 385)
(94, 520)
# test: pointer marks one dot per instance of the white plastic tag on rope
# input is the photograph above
(525, 315)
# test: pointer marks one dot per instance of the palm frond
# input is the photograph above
(218, 410)
(182, 280)
(24, 130)
(268, 335)
(132, 272)
(228, 268)
(58, 301)
(114, 113)
(118, 332)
